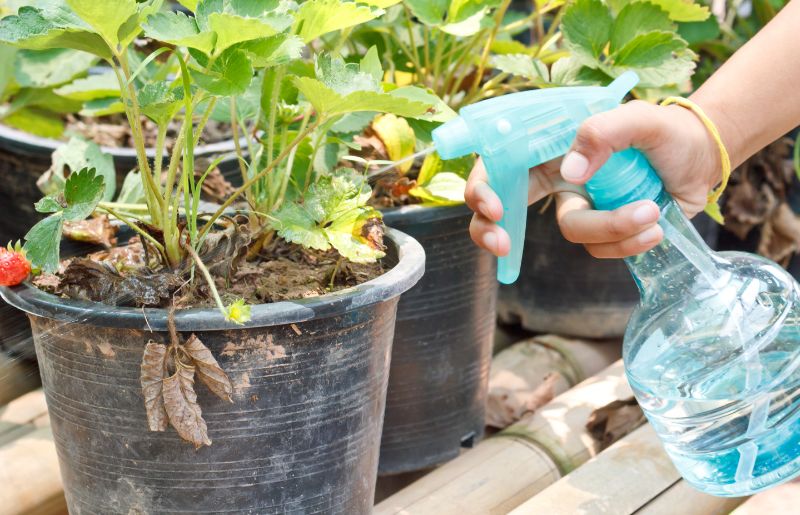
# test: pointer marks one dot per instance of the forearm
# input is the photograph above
(754, 98)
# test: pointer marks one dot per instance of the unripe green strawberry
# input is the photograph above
(14, 266)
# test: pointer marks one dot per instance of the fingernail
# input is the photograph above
(650, 235)
(645, 214)
(490, 241)
(574, 166)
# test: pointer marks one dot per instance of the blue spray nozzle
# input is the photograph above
(516, 132)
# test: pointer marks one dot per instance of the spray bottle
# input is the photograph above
(711, 351)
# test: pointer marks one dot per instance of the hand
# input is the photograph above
(675, 142)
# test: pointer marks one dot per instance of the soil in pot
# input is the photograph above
(564, 290)
(443, 344)
(307, 381)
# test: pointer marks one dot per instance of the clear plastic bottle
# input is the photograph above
(712, 355)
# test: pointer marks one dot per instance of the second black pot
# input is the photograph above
(442, 345)
(563, 290)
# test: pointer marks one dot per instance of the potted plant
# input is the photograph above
(281, 302)
(575, 294)
(443, 338)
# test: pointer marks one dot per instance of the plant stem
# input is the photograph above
(236, 143)
(204, 120)
(159, 157)
(498, 20)
(272, 164)
(135, 227)
(426, 33)
(209, 280)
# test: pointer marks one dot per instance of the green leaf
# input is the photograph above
(52, 27)
(160, 101)
(522, 65)
(45, 99)
(132, 191)
(648, 50)
(468, 26)
(232, 29)
(353, 122)
(318, 17)
(80, 154)
(371, 64)
(230, 74)
(429, 12)
(342, 77)
(48, 204)
(511, 46)
(444, 188)
(637, 19)
(564, 72)
(82, 192)
(36, 122)
(91, 88)
(327, 101)
(273, 51)
(7, 61)
(178, 29)
(104, 17)
(189, 4)
(103, 107)
(438, 111)
(676, 70)
(53, 67)
(42, 243)
(699, 31)
(586, 26)
(682, 10)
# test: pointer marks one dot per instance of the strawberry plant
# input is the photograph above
(240, 59)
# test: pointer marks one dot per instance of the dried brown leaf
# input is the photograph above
(373, 231)
(780, 236)
(124, 257)
(215, 187)
(180, 401)
(153, 372)
(223, 250)
(208, 370)
(614, 420)
(98, 231)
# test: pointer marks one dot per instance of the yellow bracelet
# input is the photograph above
(712, 207)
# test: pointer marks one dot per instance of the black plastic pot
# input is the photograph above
(562, 289)
(442, 345)
(25, 157)
(302, 435)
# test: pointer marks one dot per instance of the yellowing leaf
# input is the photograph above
(397, 137)
(318, 17)
(105, 17)
(445, 188)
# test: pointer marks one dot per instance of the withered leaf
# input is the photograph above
(780, 236)
(98, 231)
(208, 370)
(372, 231)
(614, 420)
(153, 372)
(224, 249)
(215, 187)
(180, 401)
(101, 282)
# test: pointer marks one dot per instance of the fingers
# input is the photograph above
(627, 231)
(480, 197)
(489, 236)
(630, 125)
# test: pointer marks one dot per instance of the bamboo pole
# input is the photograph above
(505, 470)
(782, 499)
(628, 477)
(30, 480)
(17, 377)
(682, 498)
(530, 373)
(22, 415)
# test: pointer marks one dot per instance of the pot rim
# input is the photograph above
(421, 213)
(400, 278)
(39, 145)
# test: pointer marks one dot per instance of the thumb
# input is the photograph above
(634, 124)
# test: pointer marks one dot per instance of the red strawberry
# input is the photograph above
(14, 266)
